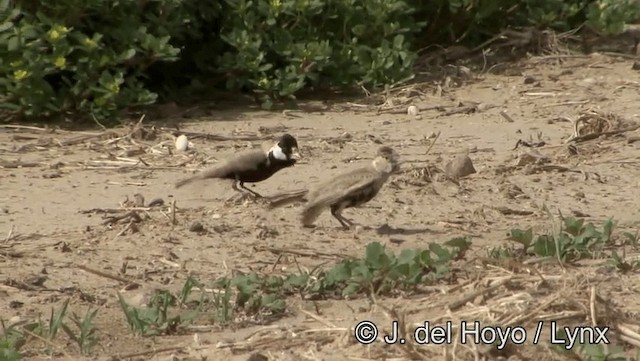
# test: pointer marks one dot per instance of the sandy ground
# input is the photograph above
(48, 235)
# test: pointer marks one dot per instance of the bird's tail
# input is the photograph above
(311, 212)
(282, 199)
(189, 180)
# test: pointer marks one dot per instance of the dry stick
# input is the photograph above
(508, 211)
(84, 138)
(145, 353)
(217, 137)
(522, 318)
(590, 136)
(173, 212)
(592, 309)
(131, 214)
(10, 126)
(273, 268)
(17, 164)
(106, 275)
(432, 143)
(10, 234)
(575, 102)
(319, 319)
(299, 253)
(169, 263)
(115, 210)
(506, 116)
(461, 302)
(628, 335)
(124, 229)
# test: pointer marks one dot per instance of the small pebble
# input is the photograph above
(196, 227)
(412, 110)
(182, 143)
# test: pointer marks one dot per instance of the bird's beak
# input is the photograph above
(295, 155)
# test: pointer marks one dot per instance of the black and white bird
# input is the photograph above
(350, 189)
(252, 166)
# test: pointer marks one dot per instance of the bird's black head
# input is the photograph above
(286, 149)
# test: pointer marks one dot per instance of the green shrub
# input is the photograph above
(280, 46)
(610, 16)
(474, 21)
(82, 56)
(98, 57)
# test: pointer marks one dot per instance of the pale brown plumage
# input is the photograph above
(346, 190)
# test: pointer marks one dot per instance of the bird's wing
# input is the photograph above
(314, 207)
(246, 160)
(344, 185)
(341, 181)
(240, 162)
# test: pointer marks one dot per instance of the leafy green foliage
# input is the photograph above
(86, 337)
(382, 272)
(67, 58)
(259, 297)
(472, 22)
(16, 336)
(277, 47)
(158, 317)
(575, 240)
(610, 16)
(11, 341)
(620, 263)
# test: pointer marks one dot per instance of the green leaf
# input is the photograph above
(127, 54)
(375, 254)
(544, 247)
(522, 237)
(407, 256)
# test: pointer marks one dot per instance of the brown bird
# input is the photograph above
(252, 166)
(346, 190)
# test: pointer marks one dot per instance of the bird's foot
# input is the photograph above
(346, 224)
(242, 198)
(309, 226)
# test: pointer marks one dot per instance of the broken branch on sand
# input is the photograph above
(84, 138)
(590, 136)
(297, 252)
(14, 164)
(217, 137)
(115, 210)
(107, 275)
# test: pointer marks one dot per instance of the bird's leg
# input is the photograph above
(256, 194)
(242, 192)
(337, 214)
(239, 195)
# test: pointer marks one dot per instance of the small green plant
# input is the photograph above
(263, 297)
(159, 316)
(382, 272)
(620, 262)
(11, 340)
(222, 305)
(631, 239)
(573, 241)
(50, 330)
(86, 337)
